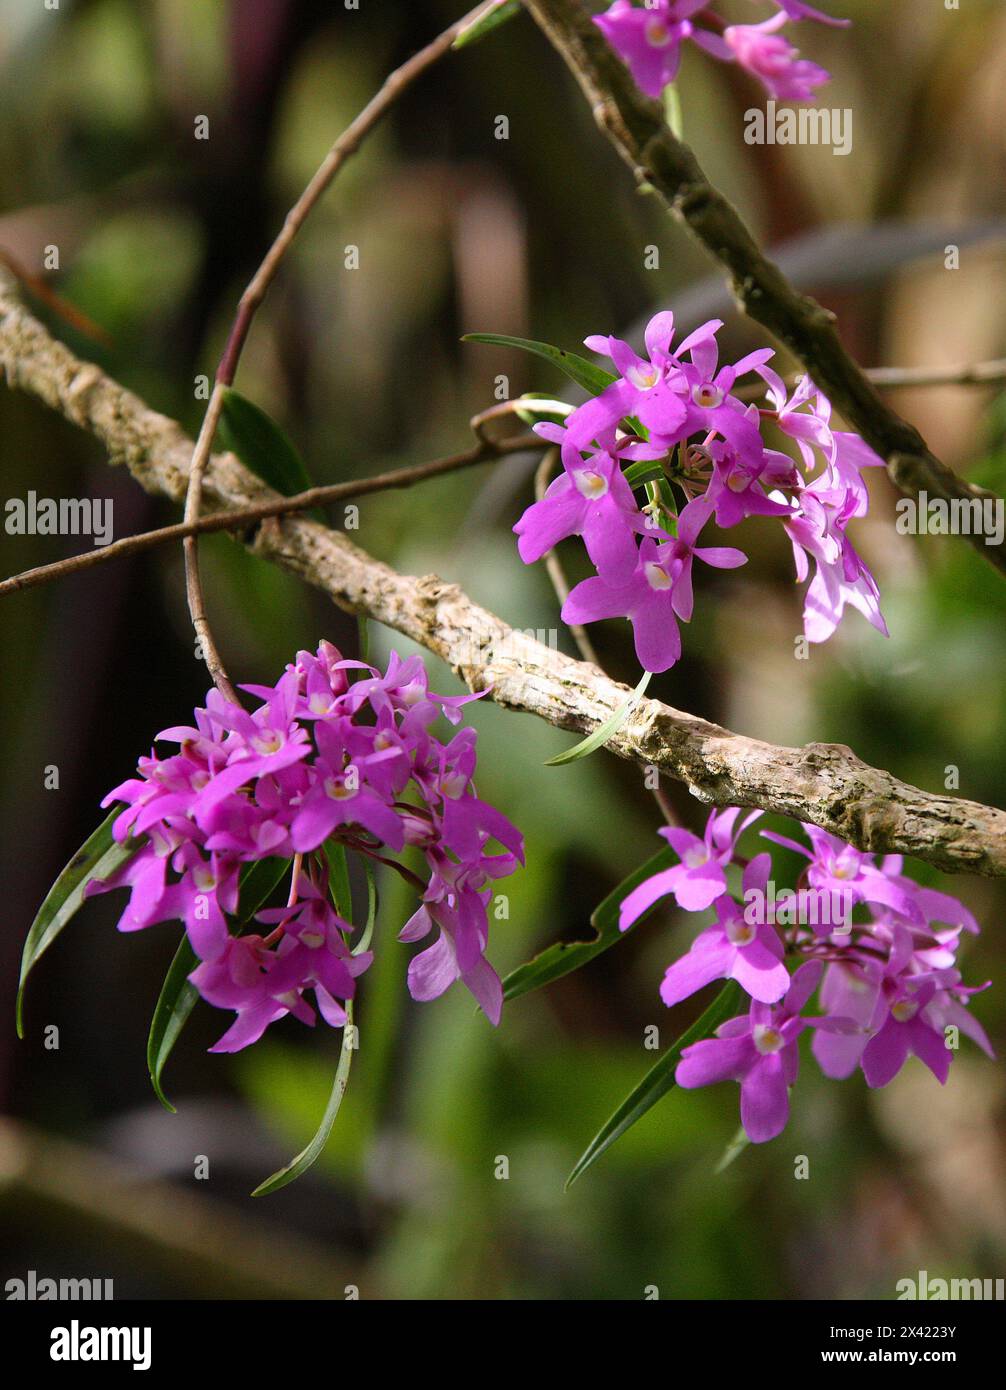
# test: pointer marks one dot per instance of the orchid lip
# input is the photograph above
(338, 790)
(656, 576)
(767, 1039)
(644, 377)
(707, 395)
(590, 484)
(267, 743)
(740, 933)
(657, 34)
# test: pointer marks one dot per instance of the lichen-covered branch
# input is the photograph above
(636, 127)
(823, 783)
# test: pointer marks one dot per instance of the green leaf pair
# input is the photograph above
(99, 857)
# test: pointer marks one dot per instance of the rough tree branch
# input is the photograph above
(636, 127)
(823, 783)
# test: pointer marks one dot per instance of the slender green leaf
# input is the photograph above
(486, 22)
(567, 956)
(338, 878)
(592, 378)
(339, 886)
(174, 1004)
(733, 1150)
(608, 729)
(368, 929)
(308, 1155)
(657, 1081)
(178, 997)
(98, 858)
(246, 430)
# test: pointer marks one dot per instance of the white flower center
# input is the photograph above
(707, 396)
(269, 742)
(313, 939)
(454, 785)
(740, 933)
(695, 858)
(767, 1039)
(656, 576)
(905, 1009)
(320, 703)
(644, 376)
(657, 34)
(738, 482)
(338, 789)
(590, 484)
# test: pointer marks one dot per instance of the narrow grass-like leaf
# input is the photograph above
(174, 1004)
(98, 858)
(339, 886)
(487, 22)
(657, 1081)
(178, 997)
(733, 1150)
(567, 956)
(592, 378)
(246, 430)
(608, 729)
(308, 1155)
(368, 929)
(338, 878)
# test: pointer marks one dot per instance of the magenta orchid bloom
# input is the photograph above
(700, 878)
(678, 409)
(649, 39)
(323, 758)
(905, 1029)
(774, 61)
(659, 591)
(732, 949)
(760, 1051)
(591, 500)
(886, 978)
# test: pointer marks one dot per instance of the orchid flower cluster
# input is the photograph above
(674, 415)
(649, 38)
(323, 758)
(879, 950)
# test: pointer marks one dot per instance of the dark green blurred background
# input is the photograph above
(543, 235)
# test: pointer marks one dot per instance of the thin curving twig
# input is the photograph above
(344, 147)
(482, 452)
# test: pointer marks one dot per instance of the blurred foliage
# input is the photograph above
(542, 236)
